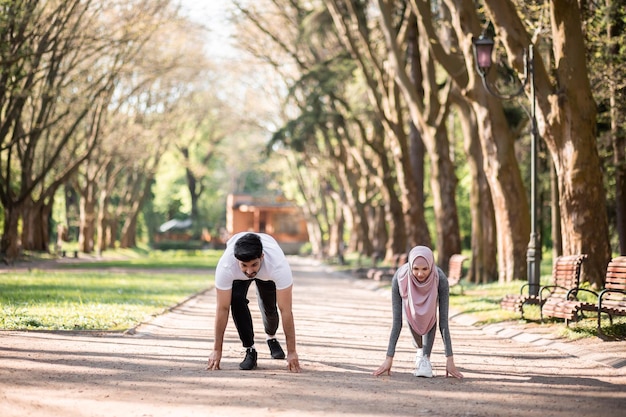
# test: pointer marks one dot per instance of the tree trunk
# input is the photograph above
(129, 233)
(192, 184)
(380, 234)
(443, 184)
(113, 226)
(614, 32)
(335, 241)
(394, 215)
(36, 225)
(428, 118)
(510, 204)
(128, 238)
(349, 181)
(499, 162)
(484, 266)
(102, 226)
(360, 226)
(566, 119)
(9, 244)
(619, 158)
(417, 147)
(87, 212)
(417, 152)
(557, 240)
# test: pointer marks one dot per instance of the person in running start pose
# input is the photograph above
(417, 289)
(254, 257)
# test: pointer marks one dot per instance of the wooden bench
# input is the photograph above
(455, 270)
(565, 277)
(566, 291)
(611, 300)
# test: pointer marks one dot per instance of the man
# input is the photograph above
(254, 257)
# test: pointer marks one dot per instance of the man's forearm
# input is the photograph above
(289, 329)
(221, 320)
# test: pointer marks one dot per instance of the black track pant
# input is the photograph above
(266, 295)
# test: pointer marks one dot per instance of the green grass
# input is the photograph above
(162, 260)
(90, 296)
(483, 301)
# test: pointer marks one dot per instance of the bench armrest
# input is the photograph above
(574, 292)
(548, 287)
(521, 289)
(607, 291)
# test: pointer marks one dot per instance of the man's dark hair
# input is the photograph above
(248, 247)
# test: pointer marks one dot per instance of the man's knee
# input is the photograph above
(239, 302)
(240, 292)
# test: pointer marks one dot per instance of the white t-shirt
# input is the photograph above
(274, 266)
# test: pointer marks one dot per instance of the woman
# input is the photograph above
(417, 288)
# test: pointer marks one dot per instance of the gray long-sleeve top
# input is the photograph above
(443, 303)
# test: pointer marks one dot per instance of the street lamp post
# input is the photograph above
(483, 48)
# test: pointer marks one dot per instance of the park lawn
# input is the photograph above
(162, 260)
(111, 295)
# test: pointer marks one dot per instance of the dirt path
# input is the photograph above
(342, 326)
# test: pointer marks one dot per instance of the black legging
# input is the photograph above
(266, 295)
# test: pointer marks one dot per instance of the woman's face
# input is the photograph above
(420, 269)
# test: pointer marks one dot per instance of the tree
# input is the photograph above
(204, 121)
(429, 106)
(56, 77)
(566, 118)
(146, 91)
(331, 129)
(605, 34)
(407, 225)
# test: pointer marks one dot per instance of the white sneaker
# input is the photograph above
(424, 369)
(418, 357)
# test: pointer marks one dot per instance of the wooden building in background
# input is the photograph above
(275, 216)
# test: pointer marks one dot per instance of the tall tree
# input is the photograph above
(429, 106)
(56, 75)
(407, 223)
(605, 35)
(499, 162)
(332, 128)
(483, 267)
(143, 86)
(566, 118)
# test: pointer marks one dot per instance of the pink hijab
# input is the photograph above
(420, 299)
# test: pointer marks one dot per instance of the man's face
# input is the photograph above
(250, 268)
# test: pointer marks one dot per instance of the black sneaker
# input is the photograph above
(275, 349)
(250, 360)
